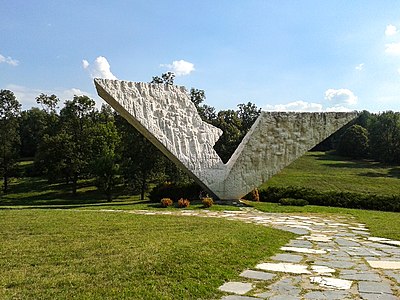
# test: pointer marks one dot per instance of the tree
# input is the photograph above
(77, 119)
(67, 153)
(48, 103)
(385, 137)
(354, 142)
(106, 141)
(206, 112)
(142, 162)
(55, 157)
(248, 113)
(230, 123)
(9, 138)
(32, 125)
(235, 125)
(197, 96)
(166, 78)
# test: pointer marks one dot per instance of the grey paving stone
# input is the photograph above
(338, 264)
(299, 231)
(284, 297)
(300, 243)
(362, 276)
(257, 275)
(346, 243)
(285, 286)
(378, 297)
(265, 295)
(374, 287)
(329, 295)
(234, 287)
(287, 257)
(347, 234)
(393, 251)
(363, 252)
(394, 275)
(236, 297)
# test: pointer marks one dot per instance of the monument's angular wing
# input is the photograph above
(165, 115)
(275, 140)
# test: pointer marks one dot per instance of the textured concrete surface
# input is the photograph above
(165, 115)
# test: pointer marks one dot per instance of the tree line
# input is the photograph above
(370, 136)
(78, 141)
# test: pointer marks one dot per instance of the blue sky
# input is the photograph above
(280, 55)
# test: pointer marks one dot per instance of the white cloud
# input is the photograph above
(295, 106)
(360, 67)
(100, 69)
(180, 67)
(341, 97)
(392, 48)
(85, 64)
(9, 60)
(390, 30)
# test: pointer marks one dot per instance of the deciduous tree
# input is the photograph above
(9, 136)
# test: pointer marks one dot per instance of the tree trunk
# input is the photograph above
(143, 188)
(109, 196)
(74, 184)
(5, 185)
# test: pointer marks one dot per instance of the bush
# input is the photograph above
(293, 202)
(183, 203)
(207, 202)
(254, 195)
(165, 202)
(333, 198)
(174, 191)
(354, 142)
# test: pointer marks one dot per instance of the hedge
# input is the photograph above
(332, 198)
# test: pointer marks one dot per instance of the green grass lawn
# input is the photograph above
(326, 172)
(65, 254)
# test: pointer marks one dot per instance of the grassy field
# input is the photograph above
(326, 172)
(49, 249)
(65, 254)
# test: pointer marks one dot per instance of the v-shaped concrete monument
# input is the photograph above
(165, 115)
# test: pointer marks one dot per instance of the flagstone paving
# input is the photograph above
(332, 258)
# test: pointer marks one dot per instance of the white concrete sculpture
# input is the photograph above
(165, 115)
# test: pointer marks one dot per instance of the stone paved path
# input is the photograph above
(332, 258)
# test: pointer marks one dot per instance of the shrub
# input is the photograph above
(207, 202)
(354, 142)
(254, 195)
(174, 191)
(183, 203)
(293, 202)
(165, 202)
(333, 198)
